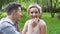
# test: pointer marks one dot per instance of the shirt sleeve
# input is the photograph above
(10, 30)
(7, 28)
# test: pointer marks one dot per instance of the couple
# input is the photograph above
(9, 25)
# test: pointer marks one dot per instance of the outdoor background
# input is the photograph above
(50, 13)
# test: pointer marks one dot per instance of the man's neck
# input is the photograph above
(12, 19)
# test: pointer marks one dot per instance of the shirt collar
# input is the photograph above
(9, 20)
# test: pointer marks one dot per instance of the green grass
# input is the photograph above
(53, 24)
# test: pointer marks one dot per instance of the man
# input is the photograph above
(8, 24)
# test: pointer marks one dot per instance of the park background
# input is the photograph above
(50, 13)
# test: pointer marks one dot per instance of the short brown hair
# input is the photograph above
(12, 6)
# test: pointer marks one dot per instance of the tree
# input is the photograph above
(4, 2)
(53, 6)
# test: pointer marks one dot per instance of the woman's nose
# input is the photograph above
(34, 14)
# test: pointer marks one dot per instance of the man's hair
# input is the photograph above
(12, 6)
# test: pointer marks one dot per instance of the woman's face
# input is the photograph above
(34, 12)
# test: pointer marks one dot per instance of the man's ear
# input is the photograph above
(13, 12)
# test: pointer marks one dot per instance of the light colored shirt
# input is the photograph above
(7, 26)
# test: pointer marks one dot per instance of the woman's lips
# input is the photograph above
(34, 16)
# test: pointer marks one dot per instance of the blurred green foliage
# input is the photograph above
(2, 15)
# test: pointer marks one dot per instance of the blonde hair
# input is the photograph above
(34, 5)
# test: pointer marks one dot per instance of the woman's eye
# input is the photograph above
(31, 12)
(36, 12)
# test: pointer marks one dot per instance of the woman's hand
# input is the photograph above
(34, 22)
